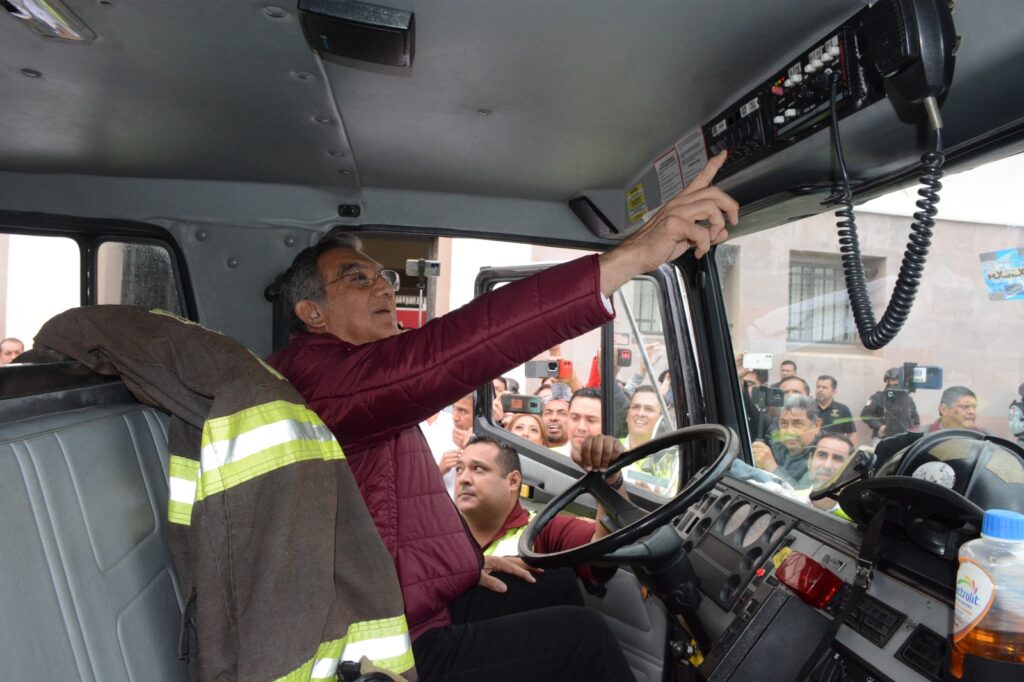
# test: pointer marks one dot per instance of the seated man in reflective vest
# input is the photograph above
(488, 478)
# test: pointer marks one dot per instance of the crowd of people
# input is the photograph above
(565, 419)
(803, 439)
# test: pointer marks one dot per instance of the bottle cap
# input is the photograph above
(1003, 524)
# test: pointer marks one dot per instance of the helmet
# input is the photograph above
(937, 488)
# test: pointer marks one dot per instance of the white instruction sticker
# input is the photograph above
(693, 155)
(975, 591)
(670, 178)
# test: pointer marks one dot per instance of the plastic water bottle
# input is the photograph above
(988, 610)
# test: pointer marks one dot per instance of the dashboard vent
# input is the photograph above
(872, 620)
(925, 651)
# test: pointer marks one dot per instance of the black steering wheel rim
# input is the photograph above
(639, 523)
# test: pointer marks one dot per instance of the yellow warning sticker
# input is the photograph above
(780, 556)
(636, 203)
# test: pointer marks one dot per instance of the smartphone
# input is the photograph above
(757, 361)
(531, 404)
(623, 357)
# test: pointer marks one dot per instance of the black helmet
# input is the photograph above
(938, 488)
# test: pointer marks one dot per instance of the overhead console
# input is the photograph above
(782, 165)
(794, 102)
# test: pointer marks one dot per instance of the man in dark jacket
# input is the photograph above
(372, 384)
(891, 411)
(787, 456)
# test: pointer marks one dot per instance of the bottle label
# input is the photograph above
(975, 592)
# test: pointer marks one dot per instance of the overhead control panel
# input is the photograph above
(794, 102)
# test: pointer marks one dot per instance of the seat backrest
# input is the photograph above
(87, 587)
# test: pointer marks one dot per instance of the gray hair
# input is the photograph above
(954, 393)
(303, 281)
(803, 403)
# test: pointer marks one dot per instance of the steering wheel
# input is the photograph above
(634, 523)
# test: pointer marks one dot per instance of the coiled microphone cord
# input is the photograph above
(877, 335)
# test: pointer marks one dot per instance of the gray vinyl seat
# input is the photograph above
(87, 587)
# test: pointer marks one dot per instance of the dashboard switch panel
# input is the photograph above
(730, 542)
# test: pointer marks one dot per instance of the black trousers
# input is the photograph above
(531, 633)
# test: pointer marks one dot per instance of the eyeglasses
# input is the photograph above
(364, 278)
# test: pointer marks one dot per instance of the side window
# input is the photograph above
(136, 274)
(559, 398)
(645, 406)
(39, 277)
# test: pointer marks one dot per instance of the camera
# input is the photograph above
(623, 357)
(421, 267)
(914, 376)
(766, 396)
(891, 395)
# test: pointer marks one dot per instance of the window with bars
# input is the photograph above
(819, 310)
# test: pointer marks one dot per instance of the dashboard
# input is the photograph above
(739, 536)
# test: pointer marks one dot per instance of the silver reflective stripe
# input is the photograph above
(325, 668)
(378, 649)
(217, 454)
(182, 490)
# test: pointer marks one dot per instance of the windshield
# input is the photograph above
(813, 392)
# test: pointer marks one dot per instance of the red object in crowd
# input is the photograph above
(594, 381)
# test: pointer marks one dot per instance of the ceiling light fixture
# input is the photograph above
(50, 19)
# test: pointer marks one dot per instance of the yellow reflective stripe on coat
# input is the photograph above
(385, 642)
(183, 482)
(507, 544)
(242, 446)
(258, 440)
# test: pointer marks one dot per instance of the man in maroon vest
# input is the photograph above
(372, 385)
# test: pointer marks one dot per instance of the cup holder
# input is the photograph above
(751, 558)
(729, 588)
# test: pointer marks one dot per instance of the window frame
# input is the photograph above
(90, 233)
